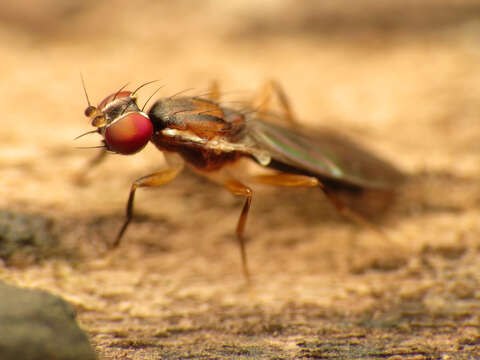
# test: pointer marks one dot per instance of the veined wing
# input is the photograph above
(323, 154)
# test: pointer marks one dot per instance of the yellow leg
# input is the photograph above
(264, 99)
(294, 180)
(81, 177)
(214, 91)
(238, 188)
(154, 180)
(349, 213)
(289, 180)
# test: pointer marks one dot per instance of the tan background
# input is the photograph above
(401, 77)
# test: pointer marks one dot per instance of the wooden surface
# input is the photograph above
(406, 86)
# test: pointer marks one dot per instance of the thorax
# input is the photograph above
(206, 135)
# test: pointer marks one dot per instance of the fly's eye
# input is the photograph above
(129, 134)
(89, 110)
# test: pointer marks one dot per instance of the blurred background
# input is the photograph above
(396, 69)
(400, 77)
(403, 72)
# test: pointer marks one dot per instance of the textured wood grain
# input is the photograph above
(322, 288)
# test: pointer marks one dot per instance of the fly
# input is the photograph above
(212, 139)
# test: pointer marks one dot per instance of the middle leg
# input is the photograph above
(280, 179)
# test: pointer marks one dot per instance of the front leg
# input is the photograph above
(81, 177)
(153, 180)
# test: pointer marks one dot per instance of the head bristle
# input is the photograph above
(119, 90)
(141, 86)
(86, 133)
(180, 93)
(150, 97)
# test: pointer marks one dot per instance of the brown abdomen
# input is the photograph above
(196, 155)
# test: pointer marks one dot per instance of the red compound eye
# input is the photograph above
(110, 98)
(129, 134)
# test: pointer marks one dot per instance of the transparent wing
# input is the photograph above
(323, 154)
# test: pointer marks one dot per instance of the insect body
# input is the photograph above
(212, 138)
